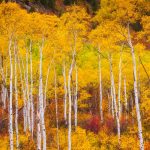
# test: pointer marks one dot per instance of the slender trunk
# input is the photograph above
(125, 94)
(139, 86)
(56, 108)
(4, 94)
(109, 103)
(125, 97)
(69, 91)
(136, 92)
(65, 90)
(3, 86)
(27, 90)
(69, 115)
(42, 121)
(112, 101)
(70, 101)
(31, 92)
(76, 97)
(38, 128)
(100, 89)
(119, 86)
(132, 108)
(16, 97)
(121, 108)
(5, 90)
(10, 99)
(114, 95)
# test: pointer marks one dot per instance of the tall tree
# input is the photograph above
(16, 94)
(136, 91)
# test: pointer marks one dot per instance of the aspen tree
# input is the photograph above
(70, 100)
(65, 95)
(119, 85)
(125, 96)
(27, 90)
(24, 89)
(16, 94)
(76, 95)
(31, 91)
(56, 106)
(136, 91)
(114, 96)
(4, 91)
(41, 100)
(10, 96)
(112, 101)
(100, 87)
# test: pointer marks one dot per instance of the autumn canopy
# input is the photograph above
(75, 75)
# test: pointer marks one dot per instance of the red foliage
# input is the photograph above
(110, 124)
(93, 124)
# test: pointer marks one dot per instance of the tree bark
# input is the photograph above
(31, 91)
(114, 96)
(125, 97)
(136, 92)
(65, 95)
(56, 108)
(3, 86)
(112, 101)
(38, 128)
(119, 85)
(42, 121)
(10, 98)
(70, 101)
(27, 92)
(76, 96)
(100, 88)
(109, 103)
(16, 96)
(69, 90)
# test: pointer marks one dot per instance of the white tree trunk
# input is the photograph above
(132, 108)
(119, 85)
(76, 97)
(139, 86)
(31, 92)
(56, 108)
(16, 97)
(109, 103)
(42, 121)
(136, 92)
(38, 128)
(69, 91)
(100, 89)
(125, 95)
(27, 93)
(4, 94)
(10, 98)
(70, 101)
(65, 95)
(114, 95)
(112, 101)
(3, 86)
